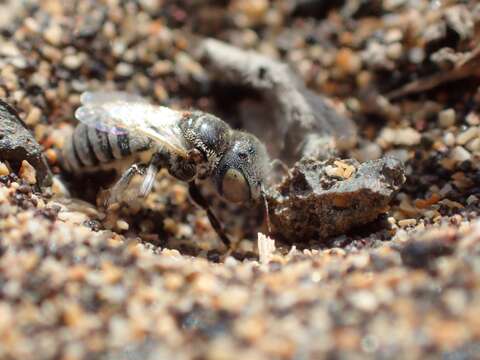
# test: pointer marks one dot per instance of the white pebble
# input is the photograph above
(446, 118)
(460, 154)
(404, 136)
(124, 69)
(474, 145)
(53, 34)
(394, 51)
(364, 301)
(449, 139)
(467, 135)
(332, 171)
(122, 225)
(73, 61)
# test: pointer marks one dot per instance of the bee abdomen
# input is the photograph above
(89, 147)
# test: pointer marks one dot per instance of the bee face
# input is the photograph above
(242, 169)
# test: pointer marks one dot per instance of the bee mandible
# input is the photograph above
(192, 145)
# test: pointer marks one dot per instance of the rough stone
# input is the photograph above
(310, 204)
(18, 144)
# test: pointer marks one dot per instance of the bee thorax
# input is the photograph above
(209, 135)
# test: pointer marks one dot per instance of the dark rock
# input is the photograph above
(311, 204)
(17, 144)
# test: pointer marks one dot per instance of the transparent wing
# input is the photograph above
(122, 113)
(102, 97)
(97, 117)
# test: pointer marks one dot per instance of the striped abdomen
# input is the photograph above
(89, 148)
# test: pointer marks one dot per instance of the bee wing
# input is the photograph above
(122, 113)
(97, 117)
(102, 97)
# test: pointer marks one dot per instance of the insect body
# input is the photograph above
(192, 145)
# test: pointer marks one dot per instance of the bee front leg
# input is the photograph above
(159, 160)
(147, 183)
(121, 185)
(200, 200)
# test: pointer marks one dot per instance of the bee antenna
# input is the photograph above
(267, 211)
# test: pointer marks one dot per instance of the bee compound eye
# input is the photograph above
(235, 187)
(242, 155)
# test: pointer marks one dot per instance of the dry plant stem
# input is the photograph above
(433, 81)
(307, 125)
(466, 68)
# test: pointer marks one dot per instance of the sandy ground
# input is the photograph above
(146, 281)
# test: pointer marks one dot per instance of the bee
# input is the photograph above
(192, 145)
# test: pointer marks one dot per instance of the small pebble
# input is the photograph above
(395, 51)
(122, 225)
(445, 190)
(402, 136)
(28, 173)
(468, 135)
(4, 169)
(449, 139)
(124, 69)
(73, 61)
(33, 116)
(333, 171)
(348, 61)
(407, 222)
(446, 118)
(474, 145)
(52, 156)
(364, 300)
(473, 119)
(53, 34)
(460, 154)
(472, 199)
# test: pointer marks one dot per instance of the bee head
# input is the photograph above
(242, 169)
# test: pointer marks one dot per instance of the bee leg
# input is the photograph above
(147, 183)
(200, 200)
(119, 188)
(158, 161)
